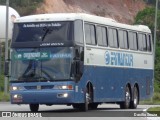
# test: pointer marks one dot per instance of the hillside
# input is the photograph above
(121, 10)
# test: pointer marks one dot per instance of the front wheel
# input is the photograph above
(34, 107)
(87, 99)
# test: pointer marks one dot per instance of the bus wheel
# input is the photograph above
(134, 103)
(126, 103)
(34, 107)
(93, 105)
(87, 99)
(76, 106)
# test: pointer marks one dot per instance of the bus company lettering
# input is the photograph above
(52, 44)
(31, 55)
(118, 59)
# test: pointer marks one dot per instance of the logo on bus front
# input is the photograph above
(118, 59)
(32, 55)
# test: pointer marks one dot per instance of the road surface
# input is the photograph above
(111, 111)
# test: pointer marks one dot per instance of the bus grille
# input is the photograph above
(42, 87)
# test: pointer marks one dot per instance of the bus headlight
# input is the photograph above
(62, 95)
(17, 98)
(14, 88)
(63, 87)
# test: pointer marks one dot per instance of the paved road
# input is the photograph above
(111, 111)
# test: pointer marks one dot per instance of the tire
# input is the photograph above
(87, 99)
(77, 106)
(34, 107)
(93, 105)
(85, 105)
(127, 102)
(135, 100)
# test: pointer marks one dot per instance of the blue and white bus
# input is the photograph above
(80, 60)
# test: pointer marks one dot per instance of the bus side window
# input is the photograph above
(101, 35)
(112, 38)
(90, 34)
(142, 46)
(132, 37)
(123, 39)
(149, 44)
(144, 42)
(78, 31)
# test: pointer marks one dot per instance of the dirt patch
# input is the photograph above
(121, 10)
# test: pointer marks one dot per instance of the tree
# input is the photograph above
(147, 17)
(24, 7)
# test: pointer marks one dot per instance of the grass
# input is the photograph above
(3, 97)
(154, 110)
(154, 101)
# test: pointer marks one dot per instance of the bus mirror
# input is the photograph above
(73, 70)
(6, 68)
(78, 70)
(77, 55)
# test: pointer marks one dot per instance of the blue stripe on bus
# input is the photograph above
(109, 82)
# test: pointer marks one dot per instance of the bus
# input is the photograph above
(80, 60)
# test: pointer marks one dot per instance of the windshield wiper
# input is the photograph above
(47, 31)
(30, 70)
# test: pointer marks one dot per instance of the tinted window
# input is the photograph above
(149, 43)
(43, 31)
(132, 36)
(101, 36)
(90, 34)
(87, 34)
(123, 41)
(142, 45)
(144, 42)
(78, 34)
(112, 37)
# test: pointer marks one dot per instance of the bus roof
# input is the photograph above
(81, 16)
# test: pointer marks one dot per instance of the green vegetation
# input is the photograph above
(147, 17)
(4, 97)
(24, 7)
(155, 110)
(154, 101)
(1, 66)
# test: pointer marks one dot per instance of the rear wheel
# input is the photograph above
(134, 103)
(34, 107)
(126, 103)
(76, 106)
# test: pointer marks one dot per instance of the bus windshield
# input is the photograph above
(43, 31)
(41, 64)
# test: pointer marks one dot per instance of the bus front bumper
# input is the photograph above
(43, 97)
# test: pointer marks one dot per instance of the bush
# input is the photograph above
(156, 97)
(147, 17)
(24, 7)
(4, 97)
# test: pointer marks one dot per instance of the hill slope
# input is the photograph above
(120, 10)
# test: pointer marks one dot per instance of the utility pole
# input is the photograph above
(155, 27)
(155, 37)
(6, 45)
